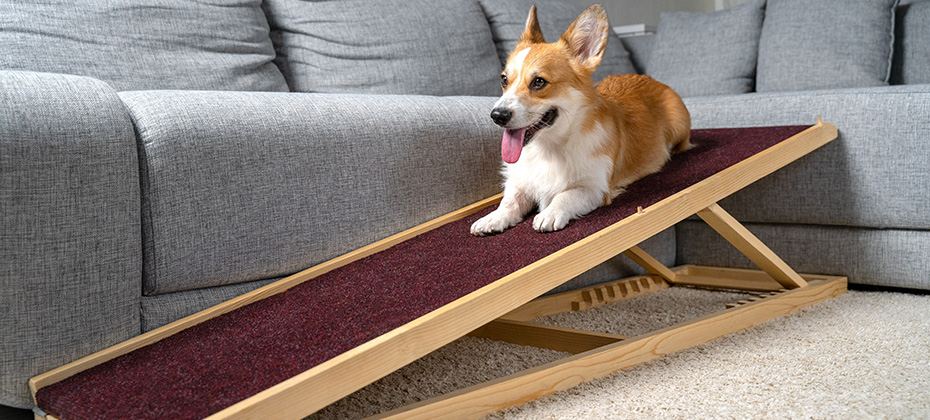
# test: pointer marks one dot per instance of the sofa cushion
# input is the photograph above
(240, 186)
(70, 257)
(143, 44)
(912, 45)
(708, 53)
(640, 48)
(411, 47)
(818, 44)
(508, 20)
(874, 175)
(880, 257)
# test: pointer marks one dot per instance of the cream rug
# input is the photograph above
(863, 355)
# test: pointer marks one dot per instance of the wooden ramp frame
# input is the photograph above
(502, 309)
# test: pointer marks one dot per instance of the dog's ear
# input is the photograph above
(532, 34)
(587, 37)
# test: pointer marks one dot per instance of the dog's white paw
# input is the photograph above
(551, 220)
(495, 222)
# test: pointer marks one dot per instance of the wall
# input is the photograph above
(628, 12)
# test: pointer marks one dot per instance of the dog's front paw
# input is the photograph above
(551, 220)
(496, 222)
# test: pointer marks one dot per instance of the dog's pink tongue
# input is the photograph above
(512, 145)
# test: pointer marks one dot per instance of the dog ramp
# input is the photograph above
(293, 347)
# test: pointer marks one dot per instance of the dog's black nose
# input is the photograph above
(501, 115)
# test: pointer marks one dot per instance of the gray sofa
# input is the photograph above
(158, 157)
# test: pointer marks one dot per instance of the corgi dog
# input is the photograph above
(570, 147)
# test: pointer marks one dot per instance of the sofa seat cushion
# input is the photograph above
(412, 47)
(874, 175)
(708, 53)
(508, 20)
(878, 257)
(818, 44)
(143, 44)
(243, 186)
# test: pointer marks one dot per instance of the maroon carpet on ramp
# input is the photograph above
(210, 366)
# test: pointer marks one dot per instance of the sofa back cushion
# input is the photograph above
(640, 48)
(708, 53)
(911, 63)
(508, 20)
(143, 44)
(818, 44)
(423, 47)
(243, 186)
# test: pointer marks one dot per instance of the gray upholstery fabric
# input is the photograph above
(163, 309)
(817, 44)
(911, 63)
(239, 187)
(708, 53)
(889, 257)
(385, 47)
(143, 44)
(874, 175)
(70, 257)
(508, 20)
(640, 48)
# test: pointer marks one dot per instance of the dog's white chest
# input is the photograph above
(544, 173)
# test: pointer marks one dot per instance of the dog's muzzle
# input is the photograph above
(501, 116)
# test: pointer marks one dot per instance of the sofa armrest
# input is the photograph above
(70, 248)
(875, 175)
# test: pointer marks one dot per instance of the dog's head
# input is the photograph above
(546, 84)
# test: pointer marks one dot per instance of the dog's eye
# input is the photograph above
(504, 81)
(539, 83)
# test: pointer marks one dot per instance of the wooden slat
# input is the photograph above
(489, 397)
(752, 280)
(652, 265)
(545, 336)
(751, 246)
(730, 278)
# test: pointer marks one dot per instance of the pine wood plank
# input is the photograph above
(730, 278)
(652, 265)
(751, 246)
(545, 336)
(753, 280)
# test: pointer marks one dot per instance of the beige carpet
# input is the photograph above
(863, 355)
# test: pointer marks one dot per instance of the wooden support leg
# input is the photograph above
(652, 265)
(752, 247)
(544, 336)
